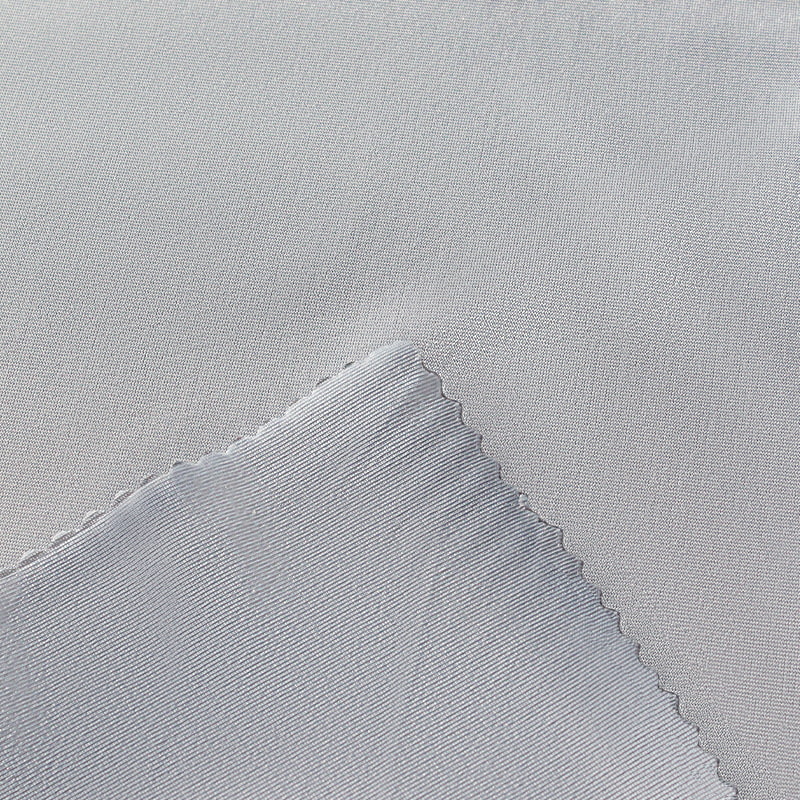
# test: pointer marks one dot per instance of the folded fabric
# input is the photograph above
(351, 603)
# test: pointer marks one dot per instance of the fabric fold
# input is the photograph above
(350, 603)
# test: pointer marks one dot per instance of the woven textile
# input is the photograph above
(585, 214)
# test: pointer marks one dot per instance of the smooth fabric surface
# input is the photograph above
(349, 604)
(586, 214)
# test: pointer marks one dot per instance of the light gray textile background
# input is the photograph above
(587, 215)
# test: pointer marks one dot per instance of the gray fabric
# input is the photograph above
(350, 604)
(585, 213)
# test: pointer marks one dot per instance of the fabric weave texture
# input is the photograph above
(350, 603)
(585, 214)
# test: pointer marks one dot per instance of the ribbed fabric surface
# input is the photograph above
(351, 603)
